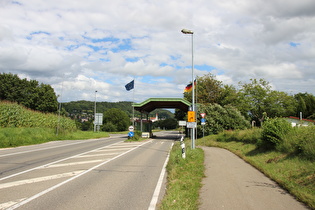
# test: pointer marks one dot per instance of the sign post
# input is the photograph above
(203, 122)
(98, 120)
(131, 133)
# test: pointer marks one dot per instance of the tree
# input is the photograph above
(167, 124)
(208, 90)
(305, 104)
(220, 118)
(31, 94)
(258, 101)
(115, 120)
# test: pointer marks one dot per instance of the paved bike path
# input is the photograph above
(231, 183)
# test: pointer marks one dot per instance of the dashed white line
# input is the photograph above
(39, 179)
(75, 163)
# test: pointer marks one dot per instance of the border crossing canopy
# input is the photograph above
(151, 104)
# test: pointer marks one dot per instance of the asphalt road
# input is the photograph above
(91, 174)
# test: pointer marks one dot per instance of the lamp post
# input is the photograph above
(186, 31)
(95, 112)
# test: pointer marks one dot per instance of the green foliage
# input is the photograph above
(167, 124)
(305, 104)
(14, 115)
(137, 136)
(116, 119)
(220, 118)
(249, 136)
(184, 178)
(79, 107)
(274, 131)
(31, 94)
(109, 127)
(300, 141)
(259, 100)
(13, 137)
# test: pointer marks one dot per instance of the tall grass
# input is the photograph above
(14, 115)
(13, 137)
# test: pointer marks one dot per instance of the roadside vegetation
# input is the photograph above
(184, 178)
(283, 153)
(21, 126)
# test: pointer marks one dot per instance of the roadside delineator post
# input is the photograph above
(182, 144)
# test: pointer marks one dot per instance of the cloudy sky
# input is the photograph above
(79, 46)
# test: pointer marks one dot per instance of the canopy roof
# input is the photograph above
(168, 103)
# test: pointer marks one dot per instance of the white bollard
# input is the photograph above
(182, 144)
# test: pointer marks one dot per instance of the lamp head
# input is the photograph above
(186, 31)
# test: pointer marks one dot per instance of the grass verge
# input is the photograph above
(13, 137)
(295, 174)
(184, 178)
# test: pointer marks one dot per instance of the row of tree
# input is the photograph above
(255, 100)
(31, 94)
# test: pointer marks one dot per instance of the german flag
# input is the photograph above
(188, 88)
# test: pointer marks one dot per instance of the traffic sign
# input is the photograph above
(203, 115)
(191, 125)
(131, 128)
(98, 119)
(202, 120)
(131, 134)
(182, 123)
(191, 116)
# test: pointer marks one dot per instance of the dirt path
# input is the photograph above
(231, 183)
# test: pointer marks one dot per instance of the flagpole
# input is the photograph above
(133, 108)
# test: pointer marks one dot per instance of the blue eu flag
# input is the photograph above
(130, 85)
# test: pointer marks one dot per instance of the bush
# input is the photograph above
(220, 118)
(274, 131)
(300, 141)
(109, 127)
(250, 136)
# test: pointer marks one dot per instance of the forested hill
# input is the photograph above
(86, 108)
(75, 107)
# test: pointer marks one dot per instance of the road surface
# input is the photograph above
(91, 174)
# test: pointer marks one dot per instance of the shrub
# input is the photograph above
(250, 136)
(301, 141)
(220, 118)
(274, 131)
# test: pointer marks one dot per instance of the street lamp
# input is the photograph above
(186, 31)
(95, 112)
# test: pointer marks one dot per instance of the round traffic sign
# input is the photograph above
(131, 128)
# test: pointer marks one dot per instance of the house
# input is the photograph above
(295, 121)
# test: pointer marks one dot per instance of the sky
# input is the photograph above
(79, 46)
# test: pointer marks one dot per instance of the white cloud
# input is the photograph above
(105, 44)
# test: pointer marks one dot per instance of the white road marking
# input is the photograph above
(10, 203)
(43, 166)
(97, 155)
(70, 179)
(157, 190)
(75, 163)
(39, 179)
(34, 150)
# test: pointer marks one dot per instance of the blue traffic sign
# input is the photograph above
(131, 134)
(203, 120)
